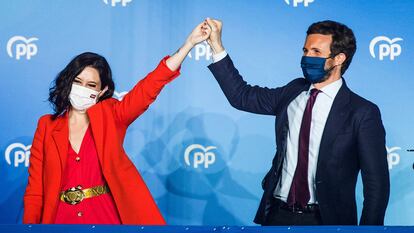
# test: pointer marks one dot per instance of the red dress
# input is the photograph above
(84, 169)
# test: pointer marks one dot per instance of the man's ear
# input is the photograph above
(340, 59)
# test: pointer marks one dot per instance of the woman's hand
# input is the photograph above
(199, 34)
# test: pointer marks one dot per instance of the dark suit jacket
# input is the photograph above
(353, 140)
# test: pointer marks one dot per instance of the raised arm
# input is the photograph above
(146, 91)
(199, 34)
(241, 95)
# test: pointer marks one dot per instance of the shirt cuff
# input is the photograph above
(219, 56)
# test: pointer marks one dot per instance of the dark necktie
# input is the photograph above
(299, 190)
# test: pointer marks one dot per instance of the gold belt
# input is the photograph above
(75, 195)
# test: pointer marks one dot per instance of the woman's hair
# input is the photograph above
(62, 85)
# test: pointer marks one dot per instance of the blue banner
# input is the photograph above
(202, 160)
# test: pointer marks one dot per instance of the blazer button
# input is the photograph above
(77, 159)
(80, 214)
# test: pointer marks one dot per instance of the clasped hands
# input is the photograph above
(209, 30)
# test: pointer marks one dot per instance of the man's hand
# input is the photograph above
(215, 36)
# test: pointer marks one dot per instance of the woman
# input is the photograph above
(79, 172)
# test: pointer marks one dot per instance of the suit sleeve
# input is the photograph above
(374, 168)
(144, 93)
(242, 96)
(33, 197)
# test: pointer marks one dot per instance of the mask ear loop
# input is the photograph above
(332, 67)
(98, 96)
(328, 71)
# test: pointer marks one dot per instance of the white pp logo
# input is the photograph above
(201, 50)
(202, 156)
(392, 157)
(18, 153)
(120, 95)
(22, 47)
(387, 47)
(115, 2)
(296, 2)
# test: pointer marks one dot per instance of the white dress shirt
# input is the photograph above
(320, 113)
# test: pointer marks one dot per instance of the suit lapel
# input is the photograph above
(60, 136)
(336, 118)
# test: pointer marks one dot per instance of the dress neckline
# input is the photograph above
(71, 149)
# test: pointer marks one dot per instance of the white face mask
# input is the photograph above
(82, 98)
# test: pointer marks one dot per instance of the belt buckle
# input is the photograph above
(298, 209)
(73, 195)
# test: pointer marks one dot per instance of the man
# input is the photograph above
(325, 135)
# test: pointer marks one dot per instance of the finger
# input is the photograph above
(208, 29)
(218, 22)
(200, 25)
(206, 34)
(209, 42)
(205, 27)
(212, 24)
(102, 92)
(205, 37)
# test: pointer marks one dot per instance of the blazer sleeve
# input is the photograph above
(242, 96)
(374, 167)
(144, 93)
(33, 197)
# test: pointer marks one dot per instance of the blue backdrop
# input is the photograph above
(202, 160)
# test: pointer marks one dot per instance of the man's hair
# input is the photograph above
(343, 39)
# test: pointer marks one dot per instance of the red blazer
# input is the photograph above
(109, 120)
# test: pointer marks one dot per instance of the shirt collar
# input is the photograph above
(330, 90)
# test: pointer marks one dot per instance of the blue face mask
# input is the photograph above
(314, 68)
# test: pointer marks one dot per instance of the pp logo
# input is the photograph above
(296, 2)
(17, 154)
(120, 95)
(201, 50)
(387, 47)
(199, 155)
(392, 157)
(22, 47)
(115, 2)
